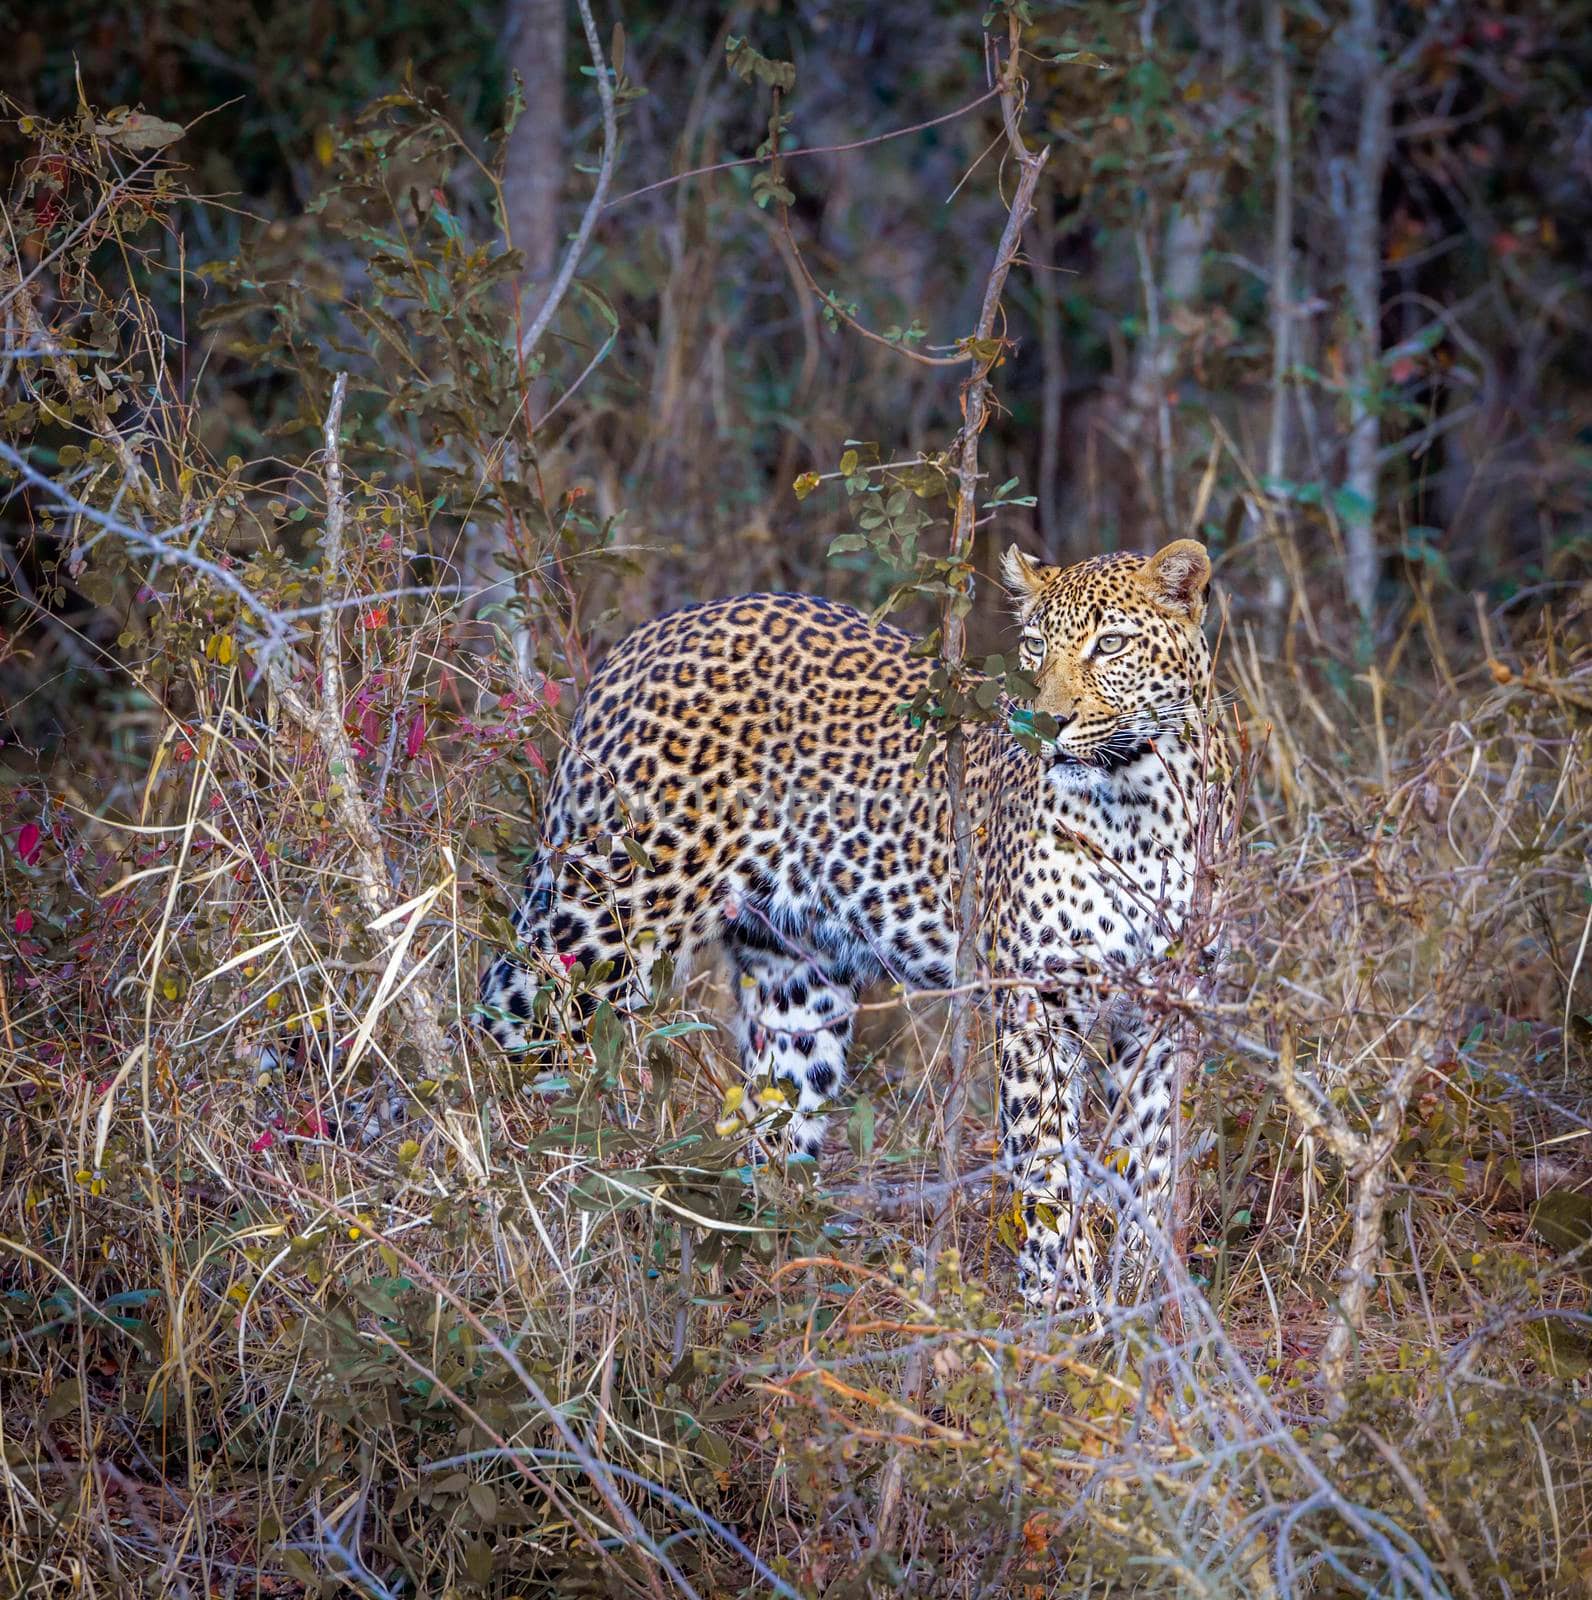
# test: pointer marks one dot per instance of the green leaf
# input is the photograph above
(751, 65)
(64, 1399)
(484, 1503)
(860, 1127)
(677, 1030)
(1351, 505)
(478, 1561)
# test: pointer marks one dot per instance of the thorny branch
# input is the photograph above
(976, 409)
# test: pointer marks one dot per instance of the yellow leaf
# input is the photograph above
(325, 145)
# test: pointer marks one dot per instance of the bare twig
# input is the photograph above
(959, 360)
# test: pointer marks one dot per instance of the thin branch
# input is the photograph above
(1373, 84)
(851, 322)
(808, 150)
(1282, 313)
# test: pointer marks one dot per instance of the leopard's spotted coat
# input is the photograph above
(755, 750)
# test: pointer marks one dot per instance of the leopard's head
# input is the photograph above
(1114, 647)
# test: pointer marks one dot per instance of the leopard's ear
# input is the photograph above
(1177, 576)
(1024, 577)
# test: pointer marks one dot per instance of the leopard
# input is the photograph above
(744, 776)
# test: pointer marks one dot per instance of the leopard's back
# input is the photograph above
(744, 769)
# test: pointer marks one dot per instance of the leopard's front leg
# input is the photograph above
(1041, 1089)
(1142, 1070)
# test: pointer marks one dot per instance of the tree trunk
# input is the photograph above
(533, 173)
(1282, 566)
(1171, 273)
(1366, 75)
(533, 179)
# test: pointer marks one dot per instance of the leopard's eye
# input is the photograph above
(1108, 644)
(1033, 644)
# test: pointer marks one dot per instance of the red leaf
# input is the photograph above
(416, 736)
(23, 922)
(264, 1142)
(28, 843)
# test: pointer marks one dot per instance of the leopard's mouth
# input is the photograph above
(1110, 755)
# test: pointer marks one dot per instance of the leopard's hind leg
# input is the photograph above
(793, 1025)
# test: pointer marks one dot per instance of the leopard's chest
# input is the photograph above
(1094, 874)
